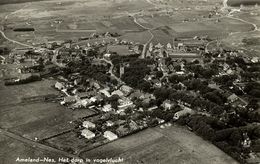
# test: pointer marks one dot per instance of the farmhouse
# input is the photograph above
(87, 134)
(110, 135)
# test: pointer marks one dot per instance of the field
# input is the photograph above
(119, 49)
(162, 146)
(14, 94)
(11, 149)
(138, 37)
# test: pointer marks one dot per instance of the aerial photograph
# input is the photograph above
(130, 81)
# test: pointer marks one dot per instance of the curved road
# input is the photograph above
(14, 41)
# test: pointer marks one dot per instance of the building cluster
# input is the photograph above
(179, 48)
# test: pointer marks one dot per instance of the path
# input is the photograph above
(111, 71)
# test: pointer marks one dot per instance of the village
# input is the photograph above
(131, 92)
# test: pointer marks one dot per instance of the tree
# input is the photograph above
(159, 74)
(253, 103)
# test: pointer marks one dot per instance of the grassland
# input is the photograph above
(14, 94)
(170, 145)
(11, 149)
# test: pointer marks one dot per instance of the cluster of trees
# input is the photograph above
(4, 50)
(135, 72)
(24, 29)
(175, 79)
(227, 138)
(162, 94)
(226, 80)
(30, 79)
(202, 86)
(201, 72)
(253, 89)
(88, 70)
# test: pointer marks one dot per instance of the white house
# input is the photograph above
(109, 123)
(110, 135)
(88, 124)
(107, 108)
(59, 86)
(126, 89)
(87, 134)
(118, 92)
(183, 112)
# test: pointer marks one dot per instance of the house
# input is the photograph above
(160, 121)
(215, 86)
(105, 92)
(88, 124)
(59, 86)
(169, 46)
(133, 126)
(109, 123)
(183, 112)
(93, 99)
(110, 135)
(94, 84)
(118, 92)
(152, 108)
(180, 73)
(232, 98)
(157, 83)
(124, 103)
(87, 134)
(68, 100)
(167, 104)
(126, 89)
(136, 94)
(255, 60)
(83, 95)
(107, 55)
(107, 108)
(85, 102)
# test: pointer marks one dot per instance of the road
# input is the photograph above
(54, 58)
(145, 28)
(14, 41)
(111, 71)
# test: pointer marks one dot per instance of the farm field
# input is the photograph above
(141, 37)
(14, 94)
(119, 49)
(164, 145)
(41, 120)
